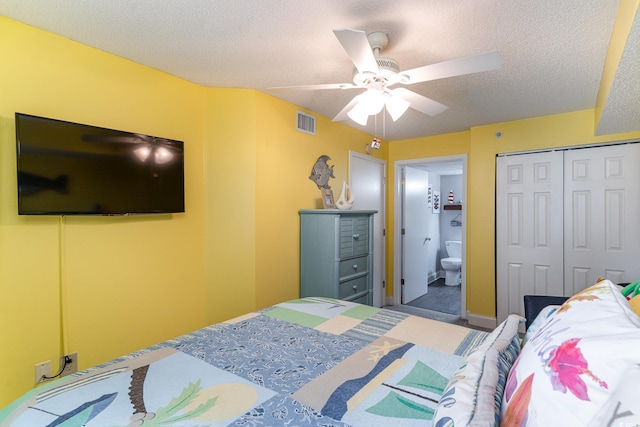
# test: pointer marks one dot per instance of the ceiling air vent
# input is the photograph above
(306, 123)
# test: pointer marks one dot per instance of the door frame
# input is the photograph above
(397, 224)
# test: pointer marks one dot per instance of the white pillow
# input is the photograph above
(568, 370)
(474, 393)
(540, 320)
(623, 407)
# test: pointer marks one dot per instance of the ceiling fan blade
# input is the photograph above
(317, 87)
(455, 67)
(342, 115)
(419, 102)
(357, 45)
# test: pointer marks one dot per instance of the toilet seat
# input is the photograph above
(452, 261)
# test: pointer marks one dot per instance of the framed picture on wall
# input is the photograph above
(436, 202)
(327, 198)
(429, 197)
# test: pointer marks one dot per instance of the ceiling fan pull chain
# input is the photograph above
(375, 125)
(384, 123)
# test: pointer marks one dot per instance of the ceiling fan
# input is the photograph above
(377, 74)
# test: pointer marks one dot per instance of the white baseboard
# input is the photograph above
(485, 322)
(389, 301)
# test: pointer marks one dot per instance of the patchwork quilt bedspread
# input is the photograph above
(306, 362)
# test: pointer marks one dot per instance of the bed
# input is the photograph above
(326, 362)
(305, 362)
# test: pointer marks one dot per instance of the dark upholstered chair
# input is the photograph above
(533, 304)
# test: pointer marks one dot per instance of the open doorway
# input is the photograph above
(430, 215)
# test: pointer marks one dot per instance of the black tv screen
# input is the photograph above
(68, 168)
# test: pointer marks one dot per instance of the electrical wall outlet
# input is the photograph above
(72, 364)
(43, 369)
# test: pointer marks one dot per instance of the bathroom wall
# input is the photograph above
(448, 232)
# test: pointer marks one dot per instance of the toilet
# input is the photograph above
(453, 263)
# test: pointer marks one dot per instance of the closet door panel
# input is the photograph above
(602, 231)
(528, 208)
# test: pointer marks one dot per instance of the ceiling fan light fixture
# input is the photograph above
(359, 114)
(372, 101)
(396, 106)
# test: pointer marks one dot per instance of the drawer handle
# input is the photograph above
(355, 287)
(355, 267)
(356, 236)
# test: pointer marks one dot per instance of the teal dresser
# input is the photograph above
(336, 254)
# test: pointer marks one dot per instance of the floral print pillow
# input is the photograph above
(540, 320)
(622, 409)
(568, 370)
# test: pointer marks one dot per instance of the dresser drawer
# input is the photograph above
(353, 266)
(354, 236)
(352, 287)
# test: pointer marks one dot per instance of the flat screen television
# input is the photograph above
(68, 168)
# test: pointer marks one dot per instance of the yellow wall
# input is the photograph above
(115, 277)
(542, 132)
(285, 158)
(127, 282)
(231, 206)
(124, 283)
(482, 145)
(257, 172)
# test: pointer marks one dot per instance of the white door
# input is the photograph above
(529, 244)
(420, 236)
(367, 177)
(602, 215)
(564, 219)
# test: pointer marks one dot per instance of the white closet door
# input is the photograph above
(602, 221)
(529, 243)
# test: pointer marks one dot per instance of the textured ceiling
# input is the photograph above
(553, 51)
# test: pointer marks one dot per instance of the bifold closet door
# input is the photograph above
(602, 215)
(529, 244)
(565, 219)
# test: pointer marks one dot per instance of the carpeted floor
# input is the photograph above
(429, 314)
(442, 298)
(434, 315)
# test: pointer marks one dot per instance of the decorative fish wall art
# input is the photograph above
(321, 172)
